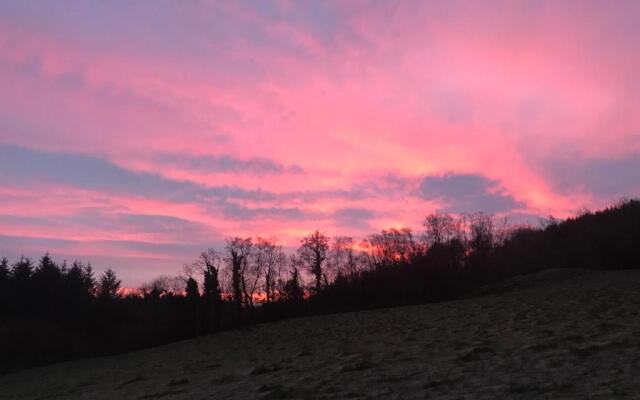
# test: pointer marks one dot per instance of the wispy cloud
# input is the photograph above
(133, 121)
(226, 163)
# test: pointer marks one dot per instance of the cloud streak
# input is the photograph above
(145, 122)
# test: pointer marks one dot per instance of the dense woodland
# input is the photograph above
(53, 311)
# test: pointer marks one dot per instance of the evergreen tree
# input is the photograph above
(193, 300)
(191, 290)
(4, 285)
(292, 290)
(109, 285)
(79, 280)
(4, 269)
(21, 270)
(212, 295)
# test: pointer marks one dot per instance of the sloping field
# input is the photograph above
(556, 334)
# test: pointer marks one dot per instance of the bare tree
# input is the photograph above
(440, 228)
(269, 259)
(238, 250)
(481, 231)
(189, 270)
(313, 253)
(343, 260)
(252, 271)
(390, 247)
(502, 231)
(163, 285)
(480, 246)
(461, 229)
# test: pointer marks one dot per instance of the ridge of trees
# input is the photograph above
(52, 312)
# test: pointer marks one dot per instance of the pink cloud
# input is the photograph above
(334, 98)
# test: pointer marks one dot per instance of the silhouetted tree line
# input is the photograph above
(52, 312)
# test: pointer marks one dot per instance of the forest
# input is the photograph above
(54, 311)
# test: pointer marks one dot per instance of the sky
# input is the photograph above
(137, 134)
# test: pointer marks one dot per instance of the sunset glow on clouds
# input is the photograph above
(136, 134)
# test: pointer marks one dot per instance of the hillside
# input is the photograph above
(560, 334)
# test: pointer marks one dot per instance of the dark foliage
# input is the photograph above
(52, 312)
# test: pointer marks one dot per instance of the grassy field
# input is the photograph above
(556, 334)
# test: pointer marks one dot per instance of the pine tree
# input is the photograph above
(109, 285)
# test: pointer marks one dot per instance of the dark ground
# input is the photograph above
(561, 334)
